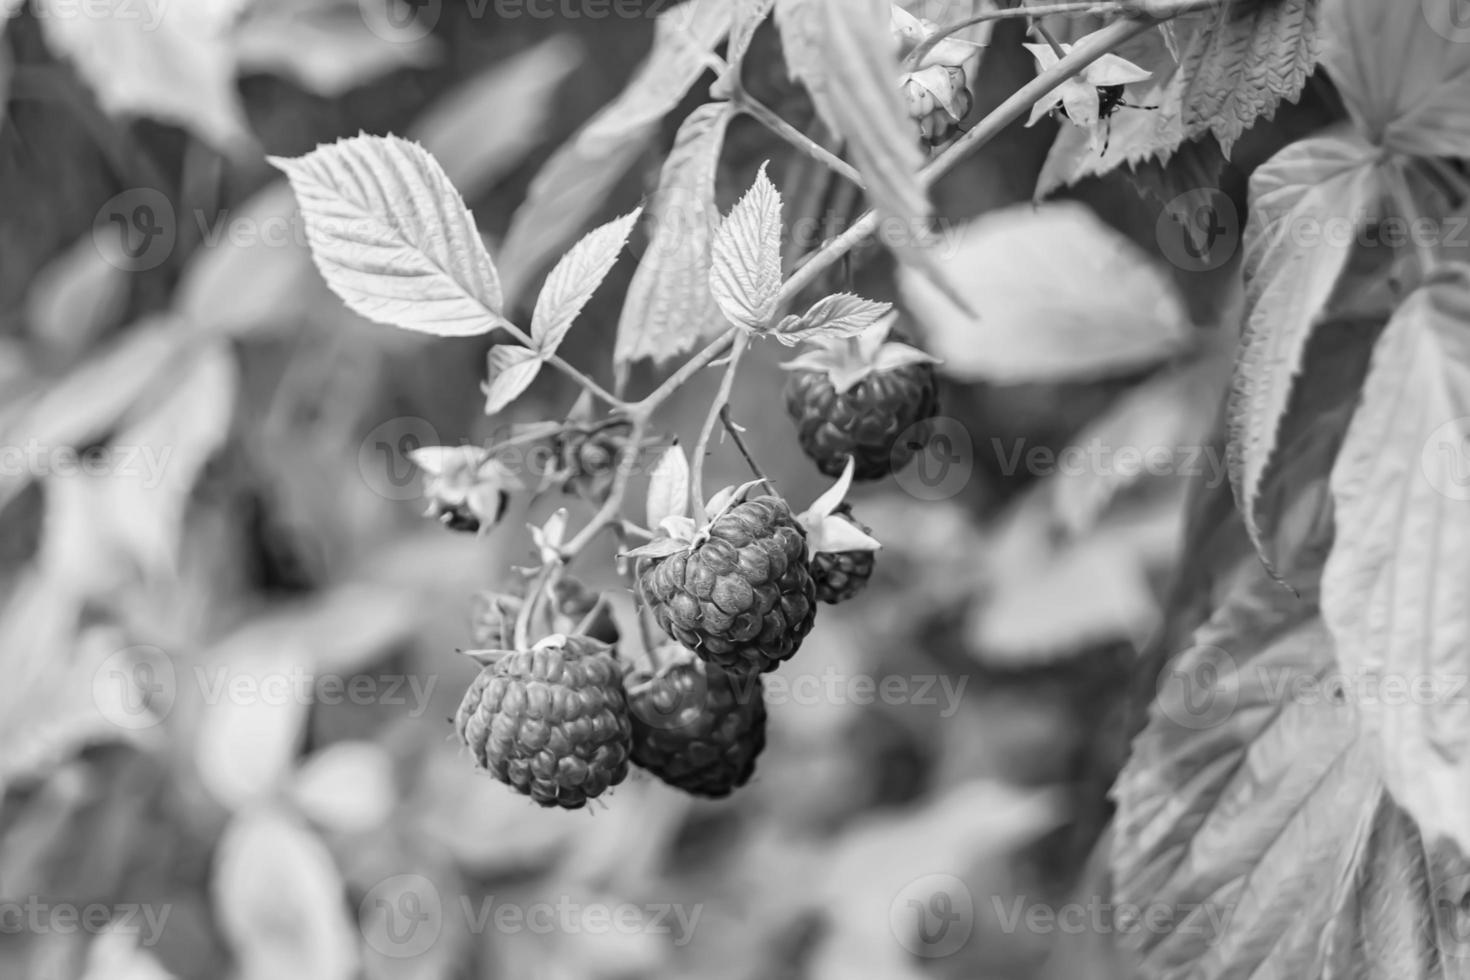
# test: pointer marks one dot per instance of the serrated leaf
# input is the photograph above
(1323, 182)
(669, 307)
(163, 61)
(835, 317)
(1392, 592)
(573, 185)
(1056, 294)
(843, 52)
(393, 238)
(668, 487)
(574, 279)
(512, 369)
(277, 896)
(1404, 75)
(745, 270)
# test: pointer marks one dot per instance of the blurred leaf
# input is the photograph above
(328, 47)
(1288, 280)
(168, 61)
(278, 899)
(255, 708)
(257, 282)
(835, 317)
(512, 369)
(574, 279)
(118, 954)
(393, 238)
(348, 787)
(1391, 593)
(745, 269)
(1050, 600)
(573, 184)
(80, 294)
(668, 487)
(1057, 295)
(669, 307)
(161, 455)
(518, 94)
(1406, 80)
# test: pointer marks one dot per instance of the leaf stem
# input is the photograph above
(590, 386)
(722, 398)
(803, 143)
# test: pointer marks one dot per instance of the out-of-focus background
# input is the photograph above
(229, 641)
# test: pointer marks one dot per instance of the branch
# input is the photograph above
(592, 387)
(803, 143)
(722, 398)
(735, 437)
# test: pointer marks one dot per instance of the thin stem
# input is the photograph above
(722, 398)
(803, 143)
(592, 387)
(1049, 38)
(689, 369)
(734, 431)
(530, 607)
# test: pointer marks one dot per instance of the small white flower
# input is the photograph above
(1079, 97)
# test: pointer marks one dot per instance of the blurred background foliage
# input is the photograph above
(281, 542)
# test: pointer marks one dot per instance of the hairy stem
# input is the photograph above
(722, 398)
(735, 437)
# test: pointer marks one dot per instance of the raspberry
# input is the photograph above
(696, 727)
(741, 596)
(840, 575)
(937, 98)
(589, 457)
(865, 421)
(571, 601)
(551, 722)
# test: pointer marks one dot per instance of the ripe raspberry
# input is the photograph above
(840, 575)
(741, 595)
(863, 420)
(571, 601)
(696, 727)
(551, 722)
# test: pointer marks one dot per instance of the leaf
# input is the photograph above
(327, 47)
(843, 52)
(834, 317)
(519, 93)
(572, 186)
(668, 487)
(669, 307)
(1392, 592)
(393, 238)
(1241, 67)
(277, 897)
(1056, 295)
(745, 272)
(79, 294)
(833, 496)
(1320, 183)
(1405, 79)
(1248, 800)
(574, 279)
(347, 787)
(748, 16)
(512, 369)
(163, 61)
